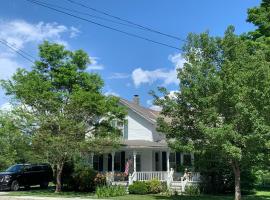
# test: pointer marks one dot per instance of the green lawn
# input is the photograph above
(260, 195)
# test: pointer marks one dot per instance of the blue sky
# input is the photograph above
(128, 65)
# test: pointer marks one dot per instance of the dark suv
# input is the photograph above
(26, 175)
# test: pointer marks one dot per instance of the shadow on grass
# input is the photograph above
(208, 197)
(49, 192)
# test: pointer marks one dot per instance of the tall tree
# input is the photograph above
(260, 17)
(65, 103)
(223, 101)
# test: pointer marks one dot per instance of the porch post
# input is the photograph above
(92, 160)
(134, 160)
(182, 158)
(192, 159)
(113, 154)
(168, 161)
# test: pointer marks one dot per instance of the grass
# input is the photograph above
(259, 195)
(36, 191)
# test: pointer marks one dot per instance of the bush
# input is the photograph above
(192, 190)
(139, 187)
(83, 178)
(110, 191)
(78, 177)
(155, 187)
(100, 179)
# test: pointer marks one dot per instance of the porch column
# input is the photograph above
(182, 159)
(92, 160)
(134, 160)
(113, 154)
(168, 161)
(192, 159)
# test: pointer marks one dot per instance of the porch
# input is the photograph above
(147, 160)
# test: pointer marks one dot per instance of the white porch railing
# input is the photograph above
(145, 176)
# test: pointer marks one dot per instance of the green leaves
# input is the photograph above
(65, 104)
(223, 98)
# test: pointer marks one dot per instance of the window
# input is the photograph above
(122, 126)
(138, 163)
(172, 161)
(187, 160)
(98, 162)
(175, 161)
(117, 161)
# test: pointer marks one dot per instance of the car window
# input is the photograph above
(15, 168)
(27, 168)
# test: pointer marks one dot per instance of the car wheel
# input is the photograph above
(15, 186)
(44, 185)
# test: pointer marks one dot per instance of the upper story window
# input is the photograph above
(121, 125)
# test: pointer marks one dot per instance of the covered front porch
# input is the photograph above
(146, 161)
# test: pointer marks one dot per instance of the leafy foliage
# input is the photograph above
(223, 101)
(192, 190)
(66, 105)
(15, 144)
(139, 187)
(110, 191)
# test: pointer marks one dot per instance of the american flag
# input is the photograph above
(127, 167)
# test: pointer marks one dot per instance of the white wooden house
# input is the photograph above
(146, 149)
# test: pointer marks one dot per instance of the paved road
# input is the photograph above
(4, 196)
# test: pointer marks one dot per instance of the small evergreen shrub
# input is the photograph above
(139, 187)
(192, 190)
(110, 191)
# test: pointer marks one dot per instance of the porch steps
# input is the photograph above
(176, 187)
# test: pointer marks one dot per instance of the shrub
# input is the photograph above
(110, 191)
(83, 178)
(78, 177)
(155, 187)
(100, 179)
(192, 190)
(139, 187)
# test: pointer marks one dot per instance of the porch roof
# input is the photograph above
(143, 144)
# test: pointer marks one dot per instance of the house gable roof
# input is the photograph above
(148, 114)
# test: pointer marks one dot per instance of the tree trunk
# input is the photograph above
(59, 169)
(236, 170)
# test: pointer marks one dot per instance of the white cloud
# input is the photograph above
(119, 76)
(94, 64)
(153, 107)
(141, 76)
(74, 32)
(7, 67)
(111, 93)
(19, 32)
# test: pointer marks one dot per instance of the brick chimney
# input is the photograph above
(136, 99)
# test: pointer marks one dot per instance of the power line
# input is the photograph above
(18, 51)
(101, 25)
(87, 14)
(127, 21)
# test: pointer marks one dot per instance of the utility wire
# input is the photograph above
(87, 14)
(101, 25)
(127, 21)
(18, 51)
